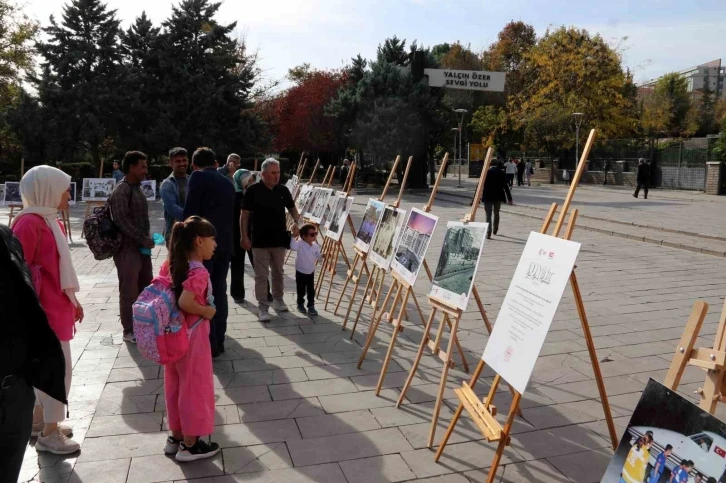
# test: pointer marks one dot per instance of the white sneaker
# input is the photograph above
(56, 443)
(263, 315)
(279, 306)
(130, 337)
(63, 428)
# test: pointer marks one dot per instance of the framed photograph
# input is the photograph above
(148, 187)
(72, 190)
(321, 202)
(12, 193)
(305, 192)
(371, 217)
(413, 243)
(292, 185)
(458, 262)
(337, 222)
(668, 436)
(386, 237)
(310, 202)
(330, 208)
(97, 189)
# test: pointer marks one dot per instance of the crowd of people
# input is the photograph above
(635, 469)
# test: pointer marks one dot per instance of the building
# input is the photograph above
(415, 241)
(460, 241)
(710, 74)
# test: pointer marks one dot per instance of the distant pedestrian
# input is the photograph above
(446, 168)
(529, 171)
(117, 174)
(642, 178)
(130, 212)
(189, 382)
(566, 177)
(520, 173)
(344, 170)
(174, 190)
(211, 197)
(511, 170)
(496, 190)
(232, 165)
(308, 253)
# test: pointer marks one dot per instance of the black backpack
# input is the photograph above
(101, 233)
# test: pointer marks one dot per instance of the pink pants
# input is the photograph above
(189, 387)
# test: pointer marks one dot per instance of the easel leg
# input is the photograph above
(442, 383)
(360, 308)
(397, 327)
(350, 274)
(342, 251)
(338, 248)
(375, 297)
(374, 324)
(504, 441)
(422, 346)
(481, 310)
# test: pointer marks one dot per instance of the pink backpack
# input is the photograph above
(161, 334)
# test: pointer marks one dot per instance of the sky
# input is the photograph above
(656, 36)
(421, 223)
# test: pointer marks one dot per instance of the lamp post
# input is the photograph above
(456, 131)
(578, 116)
(460, 113)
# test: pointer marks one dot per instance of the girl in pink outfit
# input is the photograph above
(188, 382)
(45, 190)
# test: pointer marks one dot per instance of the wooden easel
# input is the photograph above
(483, 413)
(315, 170)
(361, 256)
(12, 214)
(301, 166)
(66, 220)
(713, 360)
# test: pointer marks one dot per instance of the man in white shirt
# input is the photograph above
(511, 170)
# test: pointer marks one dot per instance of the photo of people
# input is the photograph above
(371, 218)
(331, 207)
(458, 261)
(669, 440)
(310, 202)
(305, 192)
(321, 202)
(148, 187)
(97, 189)
(338, 218)
(12, 192)
(386, 236)
(72, 190)
(413, 243)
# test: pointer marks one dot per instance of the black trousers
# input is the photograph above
(16, 422)
(642, 184)
(218, 267)
(305, 284)
(494, 206)
(510, 179)
(520, 178)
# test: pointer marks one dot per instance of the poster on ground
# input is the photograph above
(321, 202)
(529, 307)
(371, 219)
(458, 262)
(12, 193)
(148, 187)
(386, 237)
(669, 436)
(338, 219)
(97, 189)
(412, 244)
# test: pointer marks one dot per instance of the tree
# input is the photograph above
(508, 53)
(393, 51)
(299, 73)
(494, 125)
(667, 110)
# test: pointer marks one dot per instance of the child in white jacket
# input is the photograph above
(308, 253)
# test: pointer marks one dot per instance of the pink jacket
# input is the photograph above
(40, 250)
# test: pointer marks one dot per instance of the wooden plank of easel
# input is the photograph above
(300, 165)
(484, 420)
(390, 178)
(685, 346)
(397, 203)
(315, 170)
(479, 187)
(575, 181)
(432, 197)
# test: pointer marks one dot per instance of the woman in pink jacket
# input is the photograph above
(44, 191)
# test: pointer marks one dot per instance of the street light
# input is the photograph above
(578, 121)
(460, 113)
(456, 131)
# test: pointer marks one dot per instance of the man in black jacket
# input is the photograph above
(30, 356)
(211, 196)
(496, 190)
(643, 178)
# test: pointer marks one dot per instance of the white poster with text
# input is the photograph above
(529, 307)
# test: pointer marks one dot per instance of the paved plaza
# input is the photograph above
(291, 406)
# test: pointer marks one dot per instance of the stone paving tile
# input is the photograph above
(332, 424)
(389, 468)
(166, 468)
(250, 459)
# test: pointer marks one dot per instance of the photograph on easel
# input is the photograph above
(667, 437)
(413, 243)
(386, 237)
(97, 189)
(458, 262)
(302, 198)
(72, 191)
(337, 221)
(148, 187)
(321, 202)
(330, 208)
(371, 219)
(292, 185)
(12, 192)
(310, 203)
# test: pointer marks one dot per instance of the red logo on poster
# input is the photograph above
(508, 353)
(720, 452)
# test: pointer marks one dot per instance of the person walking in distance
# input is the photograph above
(232, 165)
(117, 174)
(130, 212)
(642, 178)
(211, 197)
(344, 170)
(520, 173)
(511, 170)
(44, 191)
(528, 172)
(265, 204)
(308, 254)
(174, 189)
(496, 190)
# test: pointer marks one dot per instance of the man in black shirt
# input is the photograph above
(265, 203)
(643, 178)
(496, 190)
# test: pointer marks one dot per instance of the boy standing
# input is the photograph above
(308, 253)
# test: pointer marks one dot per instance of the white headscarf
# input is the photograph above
(41, 190)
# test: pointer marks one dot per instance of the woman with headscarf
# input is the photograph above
(44, 191)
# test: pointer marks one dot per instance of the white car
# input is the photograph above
(707, 450)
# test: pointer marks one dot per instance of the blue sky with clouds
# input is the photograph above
(663, 35)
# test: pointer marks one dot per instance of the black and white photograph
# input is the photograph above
(97, 189)
(292, 185)
(371, 217)
(72, 191)
(305, 192)
(386, 236)
(12, 193)
(413, 243)
(330, 208)
(338, 218)
(148, 187)
(669, 436)
(321, 202)
(310, 202)
(458, 262)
